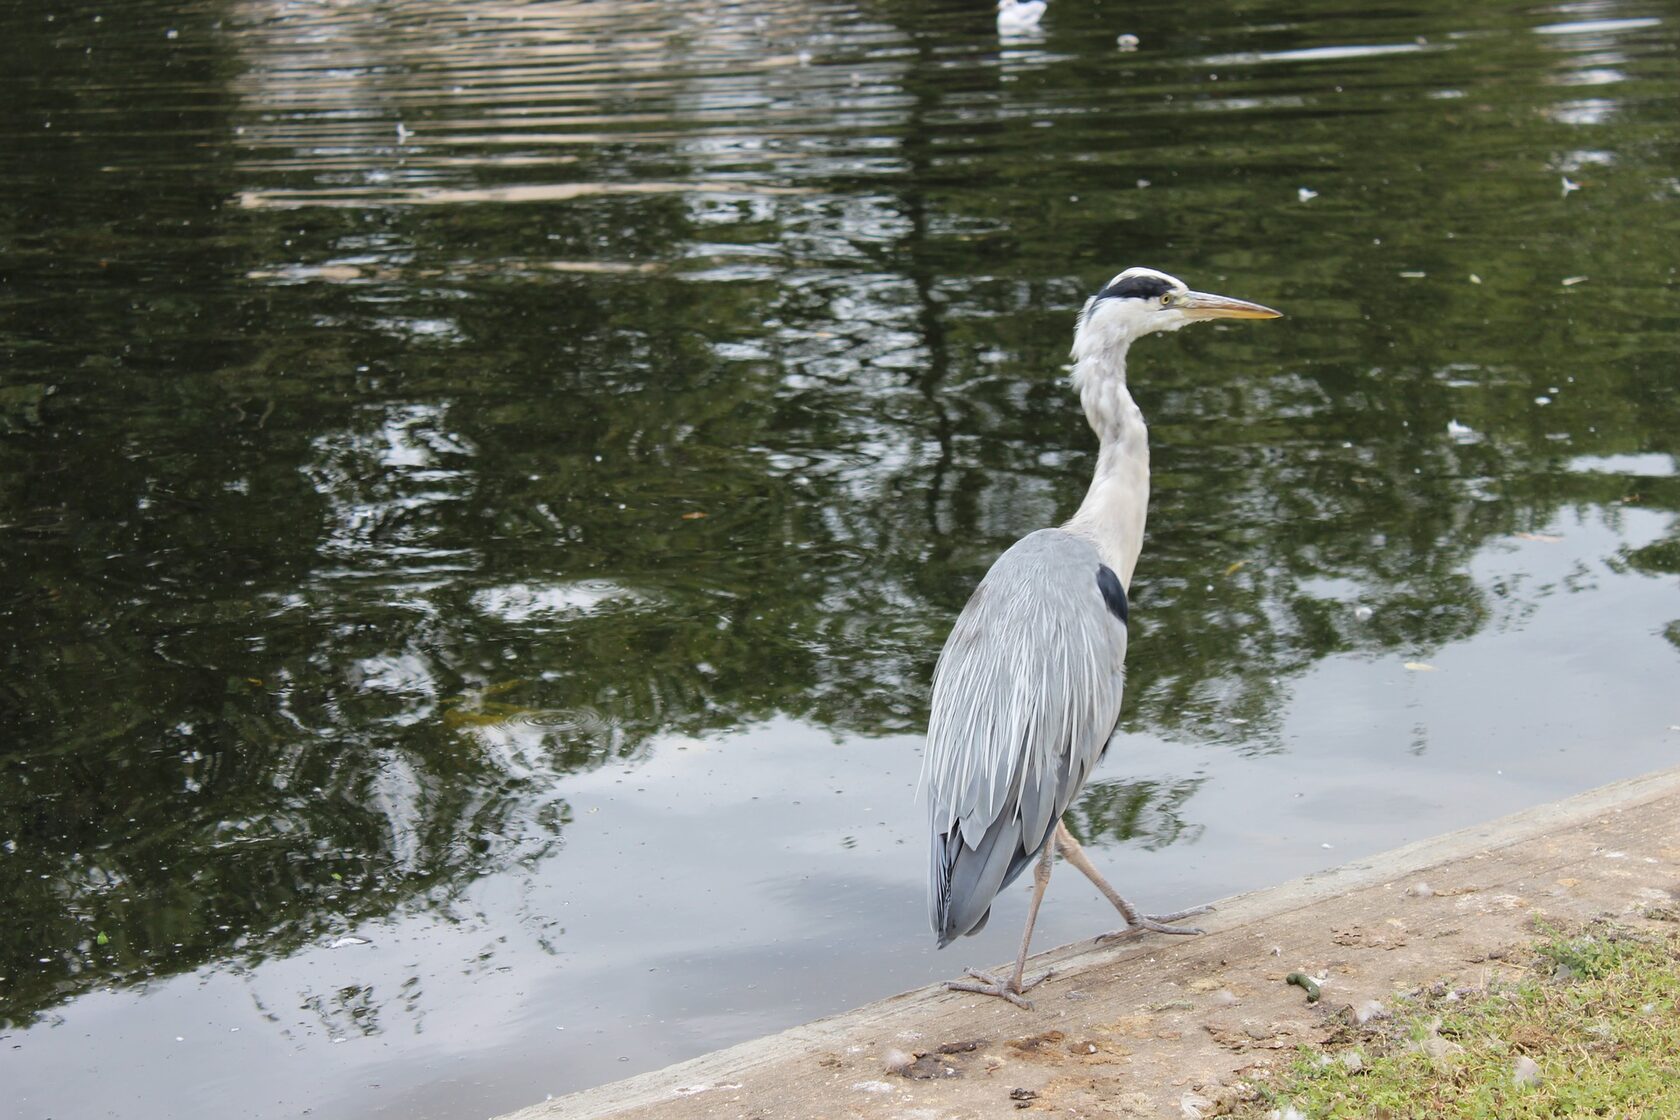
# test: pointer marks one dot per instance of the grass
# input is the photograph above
(1598, 1016)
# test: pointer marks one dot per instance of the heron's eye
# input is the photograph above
(1166, 300)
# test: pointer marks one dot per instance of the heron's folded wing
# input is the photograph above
(1025, 696)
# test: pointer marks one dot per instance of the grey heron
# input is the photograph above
(1027, 689)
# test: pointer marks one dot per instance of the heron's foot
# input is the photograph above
(990, 985)
(1158, 923)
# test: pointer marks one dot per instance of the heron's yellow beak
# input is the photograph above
(1206, 306)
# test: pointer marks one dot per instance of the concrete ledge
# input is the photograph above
(1125, 1029)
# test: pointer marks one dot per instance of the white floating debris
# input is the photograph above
(1305, 194)
(1526, 1072)
(1459, 431)
(1414, 275)
(1419, 667)
(346, 942)
(1474, 279)
(1362, 614)
(1569, 185)
(1143, 184)
(1542, 399)
(1571, 281)
(1127, 41)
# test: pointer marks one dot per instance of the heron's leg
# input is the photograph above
(1013, 990)
(1135, 922)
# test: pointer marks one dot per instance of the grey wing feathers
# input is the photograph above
(1025, 696)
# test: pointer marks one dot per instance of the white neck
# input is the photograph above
(1112, 515)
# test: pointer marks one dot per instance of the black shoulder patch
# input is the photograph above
(1113, 594)
(1137, 287)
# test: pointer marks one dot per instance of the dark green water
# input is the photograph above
(482, 489)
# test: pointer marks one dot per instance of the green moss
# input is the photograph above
(1599, 1017)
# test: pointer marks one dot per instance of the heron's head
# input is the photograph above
(1142, 301)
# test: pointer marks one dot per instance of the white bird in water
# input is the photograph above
(1027, 691)
(1016, 15)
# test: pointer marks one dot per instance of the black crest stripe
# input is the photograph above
(1137, 287)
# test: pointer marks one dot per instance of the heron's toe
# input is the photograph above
(984, 983)
(1147, 923)
(1179, 915)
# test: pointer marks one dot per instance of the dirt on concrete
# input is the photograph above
(1180, 1027)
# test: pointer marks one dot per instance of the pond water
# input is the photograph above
(482, 488)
